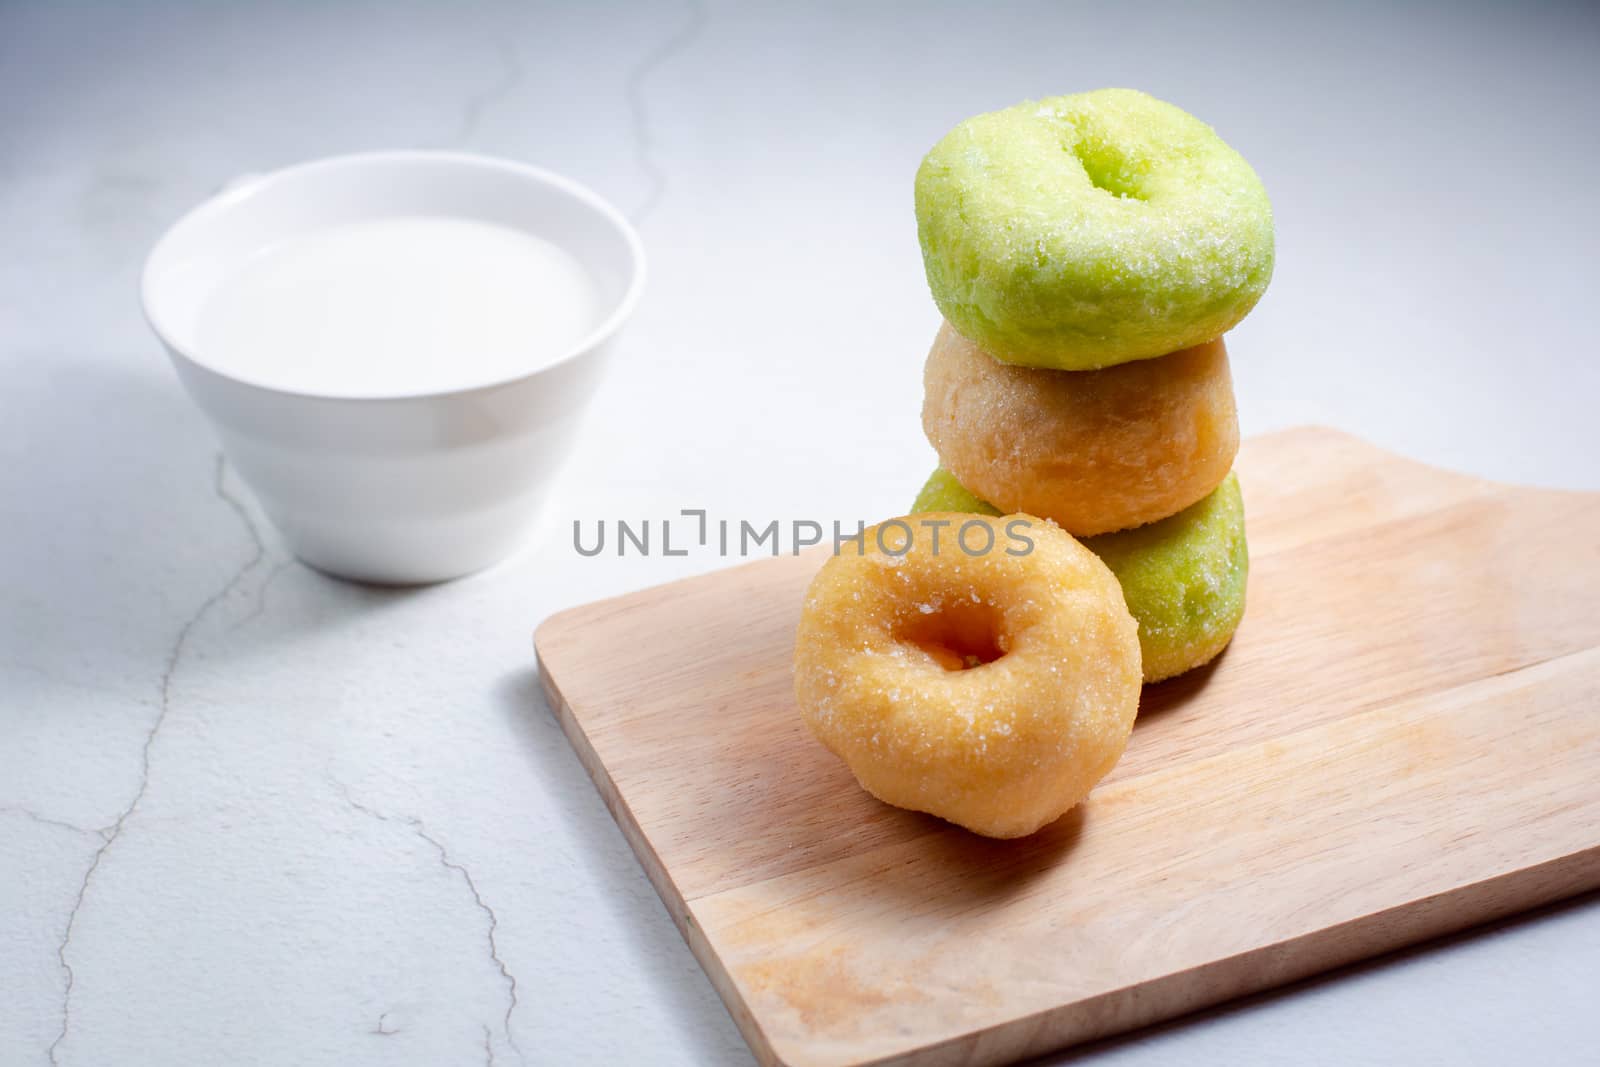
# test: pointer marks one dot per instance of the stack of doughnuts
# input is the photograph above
(1088, 252)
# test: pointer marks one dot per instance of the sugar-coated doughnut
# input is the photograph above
(1183, 577)
(983, 669)
(1184, 580)
(1083, 231)
(942, 492)
(1095, 451)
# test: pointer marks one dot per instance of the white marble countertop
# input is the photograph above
(250, 814)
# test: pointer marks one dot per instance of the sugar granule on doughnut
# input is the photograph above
(1183, 577)
(1095, 451)
(1083, 231)
(991, 679)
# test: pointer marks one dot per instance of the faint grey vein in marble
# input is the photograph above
(417, 827)
(259, 606)
(639, 112)
(257, 553)
(44, 820)
(73, 683)
(473, 109)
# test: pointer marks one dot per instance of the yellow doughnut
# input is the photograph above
(983, 669)
(1095, 451)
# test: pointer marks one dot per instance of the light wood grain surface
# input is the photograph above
(1403, 740)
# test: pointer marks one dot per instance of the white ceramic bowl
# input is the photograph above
(388, 488)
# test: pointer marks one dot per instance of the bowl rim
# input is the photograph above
(243, 188)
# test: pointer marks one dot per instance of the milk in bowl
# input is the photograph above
(395, 348)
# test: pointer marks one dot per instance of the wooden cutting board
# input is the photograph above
(1403, 740)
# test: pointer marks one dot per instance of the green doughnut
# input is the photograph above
(1183, 577)
(1083, 231)
(1184, 580)
(943, 493)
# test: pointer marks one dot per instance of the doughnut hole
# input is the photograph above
(993, 690)
(1094, 451)
(958, 636)
(1183, 577)
(1107, 166)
